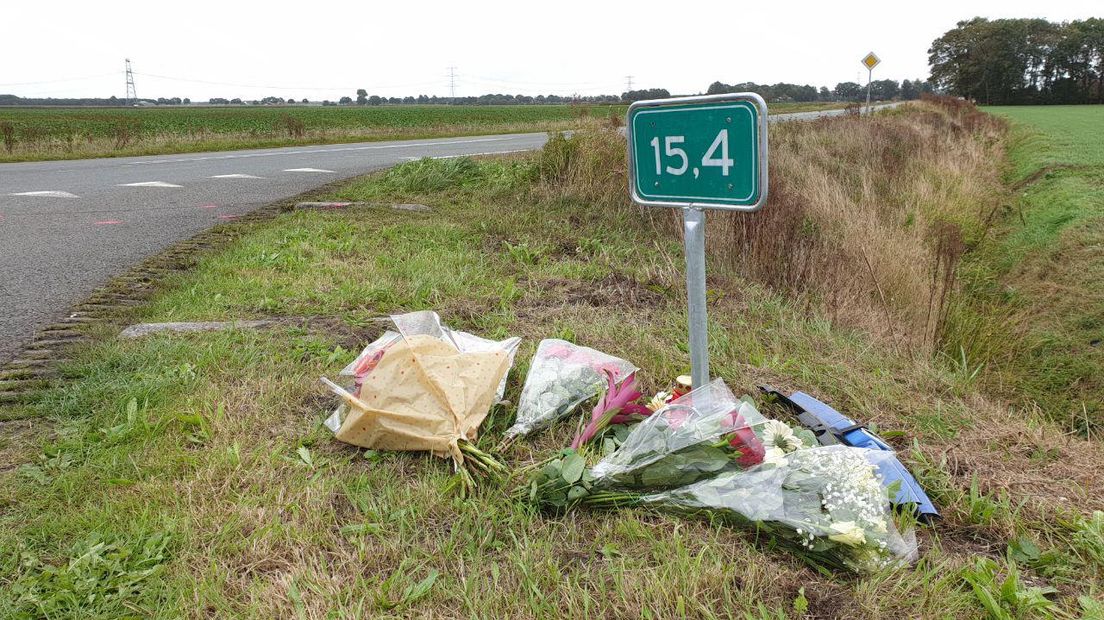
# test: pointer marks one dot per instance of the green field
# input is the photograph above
(65, 133)
(1042, 272)
(68, 133)
(189, 475)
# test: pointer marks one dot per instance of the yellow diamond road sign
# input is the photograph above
(871, 60)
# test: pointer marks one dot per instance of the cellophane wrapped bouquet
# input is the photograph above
(713, 455)
(561, 377)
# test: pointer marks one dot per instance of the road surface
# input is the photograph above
(66, 227)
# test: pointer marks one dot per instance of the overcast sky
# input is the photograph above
(202, 49)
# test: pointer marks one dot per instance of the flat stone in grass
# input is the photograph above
(145, 329)
(410, 207)
(328, 205)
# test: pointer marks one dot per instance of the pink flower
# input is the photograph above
(615, 407)
(366, 366)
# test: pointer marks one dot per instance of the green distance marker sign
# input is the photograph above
(709, 152)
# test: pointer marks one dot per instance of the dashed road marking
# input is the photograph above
(46, 194)
(108, 222)
(308, 170)
(149, 184)
(235, 176)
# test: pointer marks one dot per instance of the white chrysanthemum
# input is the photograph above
(848, 533)
(774, 456)
(779, 435)
(659, 401)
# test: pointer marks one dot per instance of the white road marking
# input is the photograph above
(148, 184)
(234, 176)
(370, 147)
(468, 154)
(308, 170)
(46, 194)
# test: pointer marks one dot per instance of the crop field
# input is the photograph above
(68, 133)
(63, 133)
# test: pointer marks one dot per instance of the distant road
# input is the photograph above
(66, 227)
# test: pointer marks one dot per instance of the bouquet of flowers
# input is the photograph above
(711, 454)
(562, 376)
(424, 387)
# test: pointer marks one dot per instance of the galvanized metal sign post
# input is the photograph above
(870, 61)
(698, 153)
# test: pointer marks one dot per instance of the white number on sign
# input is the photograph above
(724, 162)
(677, 152)
(672, 151)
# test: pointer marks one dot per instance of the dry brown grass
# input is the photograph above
(867, 217)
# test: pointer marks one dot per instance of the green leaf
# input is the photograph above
(551, 471)
(576, 493)
(801, 604)
(421, 589)
(572, 470)
(305, 456)
(297, 600)
(1025, 551)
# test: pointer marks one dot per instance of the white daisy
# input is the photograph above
(779, 435)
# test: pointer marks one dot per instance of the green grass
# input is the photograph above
(69, 133)
(1042, 270)
(190, 476)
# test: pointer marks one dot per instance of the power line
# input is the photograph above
(526, 83)
(272, 87)
(452, 82)
(628, 83)
(75, 79)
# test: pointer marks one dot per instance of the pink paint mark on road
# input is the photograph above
(108, 222)
(208, 206)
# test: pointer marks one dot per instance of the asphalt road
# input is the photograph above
(66, 227)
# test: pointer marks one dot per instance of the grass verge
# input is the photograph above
(1042, 270)
(189, 475)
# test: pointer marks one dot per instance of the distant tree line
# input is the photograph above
(1020, 61)
(844, 91)
(14, 100)
(88, 101)
(880, 90)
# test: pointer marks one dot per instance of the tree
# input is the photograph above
(236, 101)
(824, 94)
(884, 90)
(345, 100)
(848, 91)
(373, 100)
(362, 96)
(1009, 61)
(637, 95)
